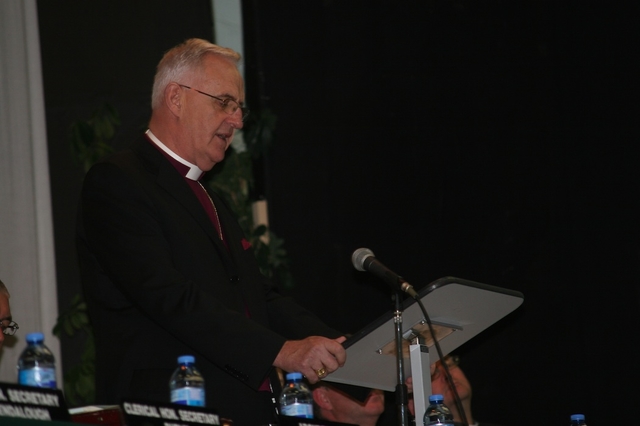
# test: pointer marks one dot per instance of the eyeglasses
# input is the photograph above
(452, 362)
(9, 329)
(228, 105)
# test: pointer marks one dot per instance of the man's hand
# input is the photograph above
(311, 356)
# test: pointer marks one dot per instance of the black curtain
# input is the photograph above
(491, 141)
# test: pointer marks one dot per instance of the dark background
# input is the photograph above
(492, 141)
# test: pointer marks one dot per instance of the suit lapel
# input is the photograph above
(170, 180)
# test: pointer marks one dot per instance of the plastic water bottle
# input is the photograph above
(36, 365)
(437, 413)
(578, 420)
(296, 399)
(187, 384)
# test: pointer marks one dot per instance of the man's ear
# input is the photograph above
(173, 95)
(321, 398)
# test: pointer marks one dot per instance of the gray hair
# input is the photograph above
(182, 59)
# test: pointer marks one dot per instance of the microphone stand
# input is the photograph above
(401, 387)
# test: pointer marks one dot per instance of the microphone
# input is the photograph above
(363, 259)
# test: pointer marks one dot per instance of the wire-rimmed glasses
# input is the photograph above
(452, 362)
(9, 329)
(228, 105)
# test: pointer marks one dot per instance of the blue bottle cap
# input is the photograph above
(186, 359)
(294, 376)
(35, 337)
(577, 417)
(436, 397)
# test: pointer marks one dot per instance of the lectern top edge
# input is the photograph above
(433, 286)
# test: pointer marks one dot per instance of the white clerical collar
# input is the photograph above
(194, 173)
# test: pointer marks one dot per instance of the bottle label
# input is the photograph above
(188, 396)
(39, 377)
(298, 410)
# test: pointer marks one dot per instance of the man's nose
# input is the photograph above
(235, 119)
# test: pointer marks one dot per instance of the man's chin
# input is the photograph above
(210, 164)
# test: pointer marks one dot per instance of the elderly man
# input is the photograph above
(363, 406)
(8, 327)
(440, 385)
(348, 404)
(165, 267)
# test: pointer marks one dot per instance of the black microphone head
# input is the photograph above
(359, 256)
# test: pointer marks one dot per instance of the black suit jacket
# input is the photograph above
(159, 283)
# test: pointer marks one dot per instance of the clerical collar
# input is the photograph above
(194, 172)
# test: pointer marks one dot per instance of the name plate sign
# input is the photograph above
(27, 402)
(146, 413)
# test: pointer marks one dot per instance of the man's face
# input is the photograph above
(346, 409)
(207, 130)
(5, 313)
(440, 386)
